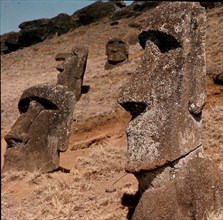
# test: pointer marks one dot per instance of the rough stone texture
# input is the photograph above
(117, 51)
(72, 70)
(167, 92)
(41, 131)
(8, 39)
(135, 9)
(189, 189)
(93, 13)
(165, 97)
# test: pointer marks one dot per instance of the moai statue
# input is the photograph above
(72, 70)
(167, 93)
(117, 51)
(42, 130)
(165, 97)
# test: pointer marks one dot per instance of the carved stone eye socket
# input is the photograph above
(164, 41)
(135, 108)
(24, 104)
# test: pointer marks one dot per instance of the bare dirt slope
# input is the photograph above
(96, 154)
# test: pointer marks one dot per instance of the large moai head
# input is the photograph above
(117, 51)
(166, 94)
(72, 70)
(42, 130)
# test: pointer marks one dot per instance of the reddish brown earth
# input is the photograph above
(97, 147)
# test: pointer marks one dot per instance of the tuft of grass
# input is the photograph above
(80, 194)
(215, 215)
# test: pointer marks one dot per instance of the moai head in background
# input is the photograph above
(117, 51)
(167, 92)
(72, 70)
(42, 130)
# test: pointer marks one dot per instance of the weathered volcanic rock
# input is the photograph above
(167, 92)
(135, 9)
(93, 13)
(189, 189)
(165, 97)
(36, 31)
(72, 70)
(42, 130)
(10, 42)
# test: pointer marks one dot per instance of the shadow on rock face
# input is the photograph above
(130, 201)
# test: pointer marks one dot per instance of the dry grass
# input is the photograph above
(80, 194)
(215, 215)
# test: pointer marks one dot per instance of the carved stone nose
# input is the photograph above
(135, 108)
(13, 138)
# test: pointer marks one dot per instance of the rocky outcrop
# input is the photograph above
(36, 31)
(135, 9)
(93, 13)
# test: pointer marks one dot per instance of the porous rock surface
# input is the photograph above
(42, 129)
(188, 189)
(165, 97)
(167, 92)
